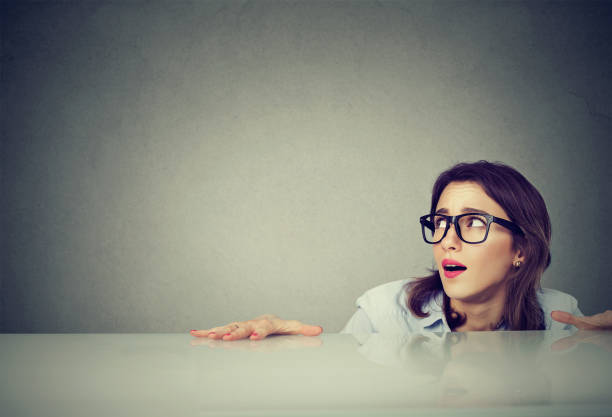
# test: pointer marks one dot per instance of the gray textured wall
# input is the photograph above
(168, 166)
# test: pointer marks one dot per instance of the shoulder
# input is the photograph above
(556, 300)
(389, 295)
(387, 309)
(551, 300)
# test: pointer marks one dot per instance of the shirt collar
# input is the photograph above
(436, 315)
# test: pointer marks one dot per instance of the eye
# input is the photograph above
(475, 221)
(440, 223)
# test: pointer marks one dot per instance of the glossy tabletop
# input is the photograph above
(536, 373)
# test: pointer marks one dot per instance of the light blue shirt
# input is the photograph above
(384, 309)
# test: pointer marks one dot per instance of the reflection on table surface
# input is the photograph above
(478, 373)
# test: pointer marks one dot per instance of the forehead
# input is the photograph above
(460, 197)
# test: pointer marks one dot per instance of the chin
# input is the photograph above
(456, 295)
(463, 291)
(458, 290)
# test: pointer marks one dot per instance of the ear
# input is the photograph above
(519, 255)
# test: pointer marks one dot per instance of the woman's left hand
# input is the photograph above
(601, 321)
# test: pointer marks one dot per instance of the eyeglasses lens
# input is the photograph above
(473, 228)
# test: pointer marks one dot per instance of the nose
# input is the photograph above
(451, 241)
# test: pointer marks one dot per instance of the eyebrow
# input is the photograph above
(463, 210)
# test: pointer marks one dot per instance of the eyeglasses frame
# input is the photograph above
(454, 220)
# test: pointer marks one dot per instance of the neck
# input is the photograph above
(480, 316)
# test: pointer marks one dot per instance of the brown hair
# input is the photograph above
(525, 207)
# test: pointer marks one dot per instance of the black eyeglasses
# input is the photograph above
(470, 227)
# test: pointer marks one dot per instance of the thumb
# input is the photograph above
(308, 330)
(565, 317)
(297, 327)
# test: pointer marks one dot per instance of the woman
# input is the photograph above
(490, 233)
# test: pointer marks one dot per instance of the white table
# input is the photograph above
(460, 374)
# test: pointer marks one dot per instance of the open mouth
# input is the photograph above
(452, 268)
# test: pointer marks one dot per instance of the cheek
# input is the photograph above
(438, 253)
(496, 257)
(492, 256)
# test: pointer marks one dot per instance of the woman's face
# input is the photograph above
(488, 262)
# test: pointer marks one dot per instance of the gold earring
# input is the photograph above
(517, 264)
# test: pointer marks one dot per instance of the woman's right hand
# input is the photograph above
(258, 328)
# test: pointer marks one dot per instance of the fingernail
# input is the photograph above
(227, 334)
(192, 330)
(254, 334)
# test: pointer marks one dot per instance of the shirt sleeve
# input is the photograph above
(576, 311)
(551, 300)
(358, 323)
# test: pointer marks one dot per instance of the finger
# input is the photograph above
(578, 322)
(309, 330)
(243, 330)
(305, 329)
(200, 333)
(222, 332)
(218, 332)
(297, 327)
(261, 330)
(563, 317)
(602, 320)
